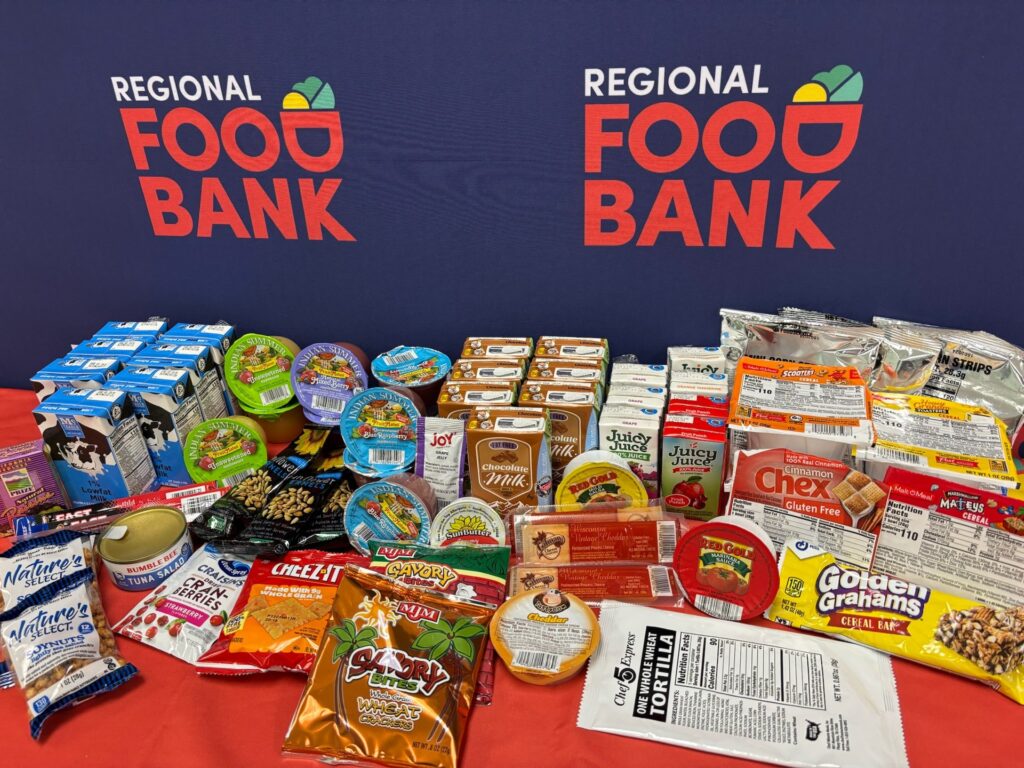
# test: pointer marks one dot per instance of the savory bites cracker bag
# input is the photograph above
(901, 618)
(279, 620)
(394, 677)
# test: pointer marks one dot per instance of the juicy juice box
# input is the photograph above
(95, 444)
(636, 441)
(167, 408)
(74, 372)
(197, 358)
(27, 483)
(693, 456)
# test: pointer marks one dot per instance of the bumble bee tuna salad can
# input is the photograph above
(144, 547)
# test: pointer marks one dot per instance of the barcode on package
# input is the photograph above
(274, 394)
(386, 456)
(547, 662)
(832, 430)
(661, 585)
(721, 609)
(236, 478)
(401, 357)
(902, 456)
(362, 531)
(193, 506)
(666, 540)
(324, 403)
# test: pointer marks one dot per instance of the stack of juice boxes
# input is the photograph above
(694, 440)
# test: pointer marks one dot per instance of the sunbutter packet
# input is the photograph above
(279, 619)
(900, 618)
(468, 572)
(61, 648)
(394, 677)
(229, 514)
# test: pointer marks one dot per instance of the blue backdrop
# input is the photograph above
(463, 170)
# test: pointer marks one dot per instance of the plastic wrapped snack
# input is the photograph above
(394, 679)
(61, 648)
(280, 618)
(185, 614)
(901, 618)
(32, 564)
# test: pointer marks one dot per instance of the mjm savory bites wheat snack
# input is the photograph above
(394, 677)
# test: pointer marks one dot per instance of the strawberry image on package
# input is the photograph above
(727, 568)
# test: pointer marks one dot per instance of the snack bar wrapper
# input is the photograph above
(908, 620)
(741, 690)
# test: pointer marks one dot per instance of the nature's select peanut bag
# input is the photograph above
(900, 618)
(394, 676)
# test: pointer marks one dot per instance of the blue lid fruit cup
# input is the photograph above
(421, 369)
(379, 429)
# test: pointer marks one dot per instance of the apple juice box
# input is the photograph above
(693, 451)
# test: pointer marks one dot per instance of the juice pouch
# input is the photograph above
(901, 618)
(279, 620)
(468, 572)
(394, 678)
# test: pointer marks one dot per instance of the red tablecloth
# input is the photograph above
(169, 716)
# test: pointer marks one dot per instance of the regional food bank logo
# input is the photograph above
(287, 157)
(744, 203)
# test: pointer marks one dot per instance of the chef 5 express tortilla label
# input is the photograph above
(901, 618)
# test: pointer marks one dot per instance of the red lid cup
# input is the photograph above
(728, 569)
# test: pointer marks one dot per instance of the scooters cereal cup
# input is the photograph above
(325, 377)
(467, 521)
(544, 636)
(421, 369)
(225, 450)
(727, 568)
(258, 370)
(379, 428)
(386, 511)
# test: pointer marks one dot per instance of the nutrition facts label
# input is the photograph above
(757, 671)
(805, 398)
(951, 554)
(849, 544)
(976, 436)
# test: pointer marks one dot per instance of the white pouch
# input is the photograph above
(741, 690)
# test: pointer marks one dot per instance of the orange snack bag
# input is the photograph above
(394, 677)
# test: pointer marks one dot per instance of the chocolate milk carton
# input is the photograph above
(573, 411)
(509, 456)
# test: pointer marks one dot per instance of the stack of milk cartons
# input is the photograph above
(631, 419)
(693, 444)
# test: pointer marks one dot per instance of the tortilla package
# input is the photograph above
(393, 680)
(280, 618)
(468, 572)
(900, 618)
